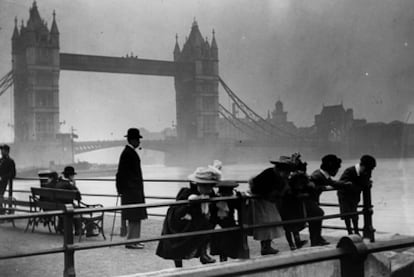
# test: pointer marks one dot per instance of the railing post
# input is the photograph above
(368, 230)
(242, 218)
(10, 196)
(69, 269)
(352, 265)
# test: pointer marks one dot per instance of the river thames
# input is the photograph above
(392, 194)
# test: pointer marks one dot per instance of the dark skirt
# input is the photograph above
(229, 244)
(293, 208)
(136, 214)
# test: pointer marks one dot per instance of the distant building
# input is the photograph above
(278, 118)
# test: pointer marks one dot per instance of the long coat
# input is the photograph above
(7, 173)
(130, 185)
(174, 223)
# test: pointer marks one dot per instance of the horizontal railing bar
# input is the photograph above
(337, 227)
(113, 180)
(92, 245)
(34, 253)
(335, 205)
(100, 195)
(390, 245)
(85, 246)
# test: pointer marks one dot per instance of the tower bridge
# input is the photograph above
(36, 65)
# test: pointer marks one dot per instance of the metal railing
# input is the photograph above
(69, 247)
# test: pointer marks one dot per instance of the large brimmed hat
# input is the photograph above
(69, 170)
(282, 160)
(133, 133)
(205, 175)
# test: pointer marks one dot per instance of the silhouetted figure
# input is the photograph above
(293, 208)
(270, 185)
(189, 218)
(229, 244)
(360, 178)
(130, 185)
(321, 179)
(67, 182)
(7, 171)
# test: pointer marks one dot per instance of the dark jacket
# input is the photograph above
(269, 184)
(358, 184)
(189, 247)
(129, 183)
(67, 185)
(7, 172)
(320, 182)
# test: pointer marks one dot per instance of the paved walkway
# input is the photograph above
(111, 261)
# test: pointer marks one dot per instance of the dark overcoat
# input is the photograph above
(130, 185)
(350, 196)
(7, 173)
(174, 223)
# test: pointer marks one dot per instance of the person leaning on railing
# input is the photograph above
(269, 185)
(189, 218)
(360, 178)
(321, 179)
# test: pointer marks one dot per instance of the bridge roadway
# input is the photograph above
(127, 65)
(88, 146)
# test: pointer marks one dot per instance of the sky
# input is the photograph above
(305, 53)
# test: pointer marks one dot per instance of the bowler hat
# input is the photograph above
(133, 133)
(69, 170)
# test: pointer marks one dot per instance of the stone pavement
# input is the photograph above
(112, 261)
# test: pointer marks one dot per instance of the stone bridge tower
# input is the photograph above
(35, 58)
(197, 94)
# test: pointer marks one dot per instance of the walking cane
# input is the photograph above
(113, 222)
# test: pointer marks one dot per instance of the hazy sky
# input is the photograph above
(307, 52)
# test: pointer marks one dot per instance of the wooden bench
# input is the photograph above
(48, 199)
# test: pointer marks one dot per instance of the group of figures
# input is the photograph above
(67, 181)
(283, 192)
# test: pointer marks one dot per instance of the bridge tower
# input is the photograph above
(197, 94)
(35, 59)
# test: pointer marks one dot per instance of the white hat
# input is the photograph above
(205, 175)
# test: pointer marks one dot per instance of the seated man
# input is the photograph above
(68, 182)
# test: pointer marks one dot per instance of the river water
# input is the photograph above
(392, 194)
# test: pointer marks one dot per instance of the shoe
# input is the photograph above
(320, 243)
(135, 246)
(301, 243)
(323, 241)
(206, 259)
(269, 251)
(91, 234)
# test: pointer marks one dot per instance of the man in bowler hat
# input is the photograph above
(130, 186)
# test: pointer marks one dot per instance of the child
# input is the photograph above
(229, 244)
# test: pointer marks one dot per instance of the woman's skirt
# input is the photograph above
(262, 211)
